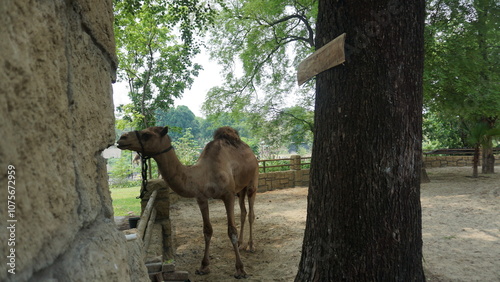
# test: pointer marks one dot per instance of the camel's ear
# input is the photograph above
(164, 131)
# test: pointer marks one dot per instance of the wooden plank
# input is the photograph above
(145, 215)
(149, 231)
(326, 57)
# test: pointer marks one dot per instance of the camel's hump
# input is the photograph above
(228, 133)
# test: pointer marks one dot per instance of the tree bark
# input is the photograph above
(488, 159)
(364, 214)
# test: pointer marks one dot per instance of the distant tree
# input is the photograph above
(187, 148)
(443, 131)
(294, 126)
(122, 169)
(155, 46)
(363, 214)
(266, 40)
(463, 63)
(240, 122)
(481, 134)
(180, 117)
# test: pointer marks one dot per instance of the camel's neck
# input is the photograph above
(174, 173)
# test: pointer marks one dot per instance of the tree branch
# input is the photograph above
(310, 31)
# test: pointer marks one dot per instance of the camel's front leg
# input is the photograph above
(232, 232)
(207, 233)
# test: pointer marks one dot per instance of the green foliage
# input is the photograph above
(481, 133)
(186, 148)
(253, 144)
(181, 117)
(279, 165)
(462, 70)
(462, 60)
(296, 126)
(241, 122)
(123, 169)
(128, 118)
(265, 40)
(443, 132)
(154, 61)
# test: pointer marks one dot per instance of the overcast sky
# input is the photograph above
(193, 98)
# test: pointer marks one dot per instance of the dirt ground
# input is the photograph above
(461, 231)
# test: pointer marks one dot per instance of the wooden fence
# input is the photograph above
(294, 171)
(295, 162)
(284, 173)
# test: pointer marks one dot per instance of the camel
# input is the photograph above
(226, 167)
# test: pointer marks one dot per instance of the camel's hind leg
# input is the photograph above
(243, 215)
(251, 193)
(232, 232)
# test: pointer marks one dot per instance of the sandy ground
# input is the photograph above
(461, 231)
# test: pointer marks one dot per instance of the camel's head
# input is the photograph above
(150, 141)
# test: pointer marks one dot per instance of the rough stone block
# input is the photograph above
(57, 117)
(176, 276)
(154, 267)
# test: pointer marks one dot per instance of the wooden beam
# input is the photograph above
(326, 57)
(145, 215)
(149, 231)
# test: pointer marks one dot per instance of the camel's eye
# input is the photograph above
(145, 136)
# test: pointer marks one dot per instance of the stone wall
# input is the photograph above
(57, 65)
(444, 161)
(283, 179)
(296, 176)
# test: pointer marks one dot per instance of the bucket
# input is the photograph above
(132, 222)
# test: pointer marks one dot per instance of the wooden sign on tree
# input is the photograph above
(326, 57)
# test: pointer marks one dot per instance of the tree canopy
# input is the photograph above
(462, 68)
(155, 46)
(179, 117)
(462, 59)
(259, 43)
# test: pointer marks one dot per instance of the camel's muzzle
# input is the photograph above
(122, 146)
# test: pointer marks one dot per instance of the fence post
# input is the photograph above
(295, 162)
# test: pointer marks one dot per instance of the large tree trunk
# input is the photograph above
(364, 215)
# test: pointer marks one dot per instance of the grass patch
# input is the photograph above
(124, 201)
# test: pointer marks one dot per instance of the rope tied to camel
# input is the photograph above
(144, 164)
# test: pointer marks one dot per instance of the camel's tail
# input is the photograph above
(229, 134)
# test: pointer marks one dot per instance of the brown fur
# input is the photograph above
(228, 134)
